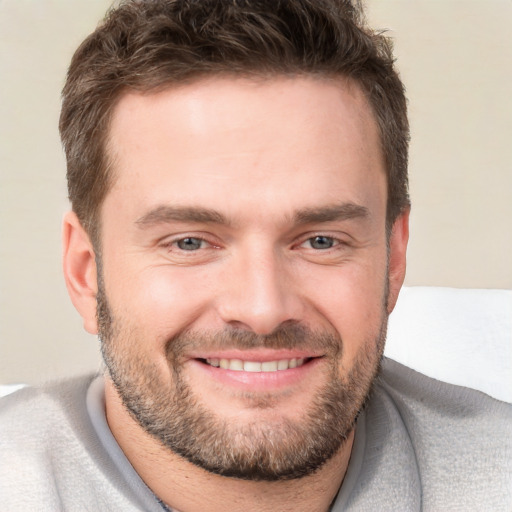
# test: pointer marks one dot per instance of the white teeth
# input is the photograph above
(269, 366)
(255, 366)
(282, 364)
(252, 366)
(236, 364)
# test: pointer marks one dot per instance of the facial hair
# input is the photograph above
(260, 450)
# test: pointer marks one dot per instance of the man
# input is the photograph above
(238, 177)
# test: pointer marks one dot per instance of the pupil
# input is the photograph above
(322, 242)
(189, 244)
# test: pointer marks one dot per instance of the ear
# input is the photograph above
(79, 265)
(397, 257)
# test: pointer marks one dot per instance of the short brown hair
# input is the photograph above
(147, 45)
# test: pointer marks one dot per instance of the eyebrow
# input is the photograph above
(337, 212)
(166, 214)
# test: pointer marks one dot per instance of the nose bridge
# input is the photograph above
(257, 294)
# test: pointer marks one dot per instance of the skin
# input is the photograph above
(265, 156)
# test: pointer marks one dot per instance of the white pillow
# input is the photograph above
(460, 336)
(10, 388)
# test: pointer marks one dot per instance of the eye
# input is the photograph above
(190, 243)
(321, 242)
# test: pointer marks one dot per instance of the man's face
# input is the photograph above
(244, 263)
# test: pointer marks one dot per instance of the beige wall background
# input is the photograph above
(454, 57)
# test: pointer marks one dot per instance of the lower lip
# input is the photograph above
(257, 381)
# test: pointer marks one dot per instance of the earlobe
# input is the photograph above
(79, 265)
(397, 257)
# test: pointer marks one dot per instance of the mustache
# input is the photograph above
(286, 336)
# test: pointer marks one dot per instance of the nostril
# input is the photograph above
(239, 326)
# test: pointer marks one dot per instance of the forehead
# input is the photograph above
(209, 105)
(265, 139)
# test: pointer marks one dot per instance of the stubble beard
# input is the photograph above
(261, 451)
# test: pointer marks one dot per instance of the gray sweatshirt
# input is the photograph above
(420, 444)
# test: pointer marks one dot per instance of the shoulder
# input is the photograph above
(52, 457)
(461, 438)
(41, 432)
(32, 410)
(35, 420)
(417, 394)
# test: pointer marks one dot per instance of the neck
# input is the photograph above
(186, 487)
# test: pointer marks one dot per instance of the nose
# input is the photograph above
(258, 293)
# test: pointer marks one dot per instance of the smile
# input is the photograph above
(256, 366)
(258, 370)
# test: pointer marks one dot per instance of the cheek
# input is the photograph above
(351, 298)
(163, 299)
